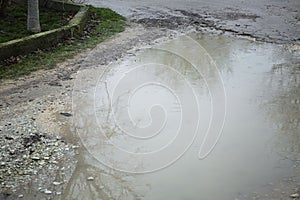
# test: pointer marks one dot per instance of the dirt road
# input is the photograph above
(36, 110)
(275, 21)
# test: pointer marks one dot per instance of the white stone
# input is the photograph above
(296, 195)
(56, 183)
(90, 178)
(48, 192)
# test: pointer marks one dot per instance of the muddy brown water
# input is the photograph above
(198, 117)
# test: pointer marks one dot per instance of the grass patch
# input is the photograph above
(14, 24)
(103, 24)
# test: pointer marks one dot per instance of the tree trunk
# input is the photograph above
(33, 19)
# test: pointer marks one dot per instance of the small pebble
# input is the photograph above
(66, 114)
(56, 183)
(296, 195)
(90, 178)
(21, 196)
(58, 193)
(42, 163)
(48, 192)
(35, 158)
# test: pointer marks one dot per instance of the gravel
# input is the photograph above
(32, 152)
(38, 146)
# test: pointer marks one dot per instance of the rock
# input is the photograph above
(48, 191)
(21, 196)
(56, 183)
(90, 178)
(66, 114)
(42, 162)
(55, 83)
(8, 137)
(58, 193)
(35, 158)
(296, 195)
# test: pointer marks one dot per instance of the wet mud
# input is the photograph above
(270, 21)
(255, 46)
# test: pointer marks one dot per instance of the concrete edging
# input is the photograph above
(47, 39)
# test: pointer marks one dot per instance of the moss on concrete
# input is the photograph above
(79, 20)
(46, 39)
(103, 24)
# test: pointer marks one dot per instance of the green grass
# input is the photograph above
(13, 25)
(105, 23)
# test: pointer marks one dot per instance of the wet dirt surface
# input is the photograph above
(273, 21)
(40, 106)
(257, 156)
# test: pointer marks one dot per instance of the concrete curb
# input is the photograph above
(46, 39)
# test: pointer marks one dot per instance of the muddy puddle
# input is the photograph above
(198, 117)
